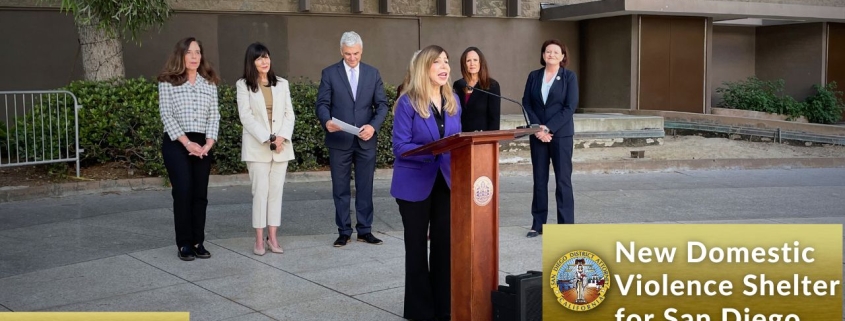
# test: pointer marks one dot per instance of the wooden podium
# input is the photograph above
(474, 217)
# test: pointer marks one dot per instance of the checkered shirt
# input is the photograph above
(189, 108)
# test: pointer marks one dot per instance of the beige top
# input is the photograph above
(268, 100)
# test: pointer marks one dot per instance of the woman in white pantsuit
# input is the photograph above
(266, 112)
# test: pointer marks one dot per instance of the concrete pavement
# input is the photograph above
(114, 251)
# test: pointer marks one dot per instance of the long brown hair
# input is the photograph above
(419, 88)
(483, 75)
(174, 70)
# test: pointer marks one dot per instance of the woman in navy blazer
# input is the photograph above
(426, 112)
(550, 99)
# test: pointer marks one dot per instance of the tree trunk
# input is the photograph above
(102, 55)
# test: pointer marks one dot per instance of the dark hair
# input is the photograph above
(483, 75)
(563, 62)
(253, 52)
(174, 70)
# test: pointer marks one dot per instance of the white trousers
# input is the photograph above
(268, 182)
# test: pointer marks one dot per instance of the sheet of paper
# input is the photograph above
(347, 127)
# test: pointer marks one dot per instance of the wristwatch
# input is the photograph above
(546, 130)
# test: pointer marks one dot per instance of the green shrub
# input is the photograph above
(825, 107)
(759, 95)
(119, 121)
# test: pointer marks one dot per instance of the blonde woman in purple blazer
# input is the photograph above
(427, 111)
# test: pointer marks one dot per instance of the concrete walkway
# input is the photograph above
(114, 251)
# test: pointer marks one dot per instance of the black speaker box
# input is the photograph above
(521, 299)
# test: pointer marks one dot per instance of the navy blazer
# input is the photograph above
(482, 111)
(414, 176)
(560, 105)
(334, 99)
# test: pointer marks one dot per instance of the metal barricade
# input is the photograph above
(39, 127)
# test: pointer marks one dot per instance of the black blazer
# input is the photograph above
(482, 111)
(560, 105)
(334, 99)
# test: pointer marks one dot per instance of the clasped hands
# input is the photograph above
(195, 149)
(543, 134)
(367, 131)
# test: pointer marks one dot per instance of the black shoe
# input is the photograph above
(201, 252)
(341, 240)
(186, 253)
(369, 238)
(532, 234)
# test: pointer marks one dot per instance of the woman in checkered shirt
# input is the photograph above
(187, 93)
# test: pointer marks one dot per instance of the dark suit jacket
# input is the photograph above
(483, 111)
(560, 105)
(334, 99)
(414, 176)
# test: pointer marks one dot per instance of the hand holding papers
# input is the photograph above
(346, 127)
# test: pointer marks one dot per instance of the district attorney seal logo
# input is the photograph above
(482, 191)
(580, 280)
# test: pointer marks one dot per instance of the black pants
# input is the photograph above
(428, 291)
(189, 178)
(559, 152)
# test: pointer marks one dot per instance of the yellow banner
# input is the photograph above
(685, 272)
(95, 316)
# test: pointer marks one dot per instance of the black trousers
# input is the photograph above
(189, 178)
(340, 162)
(559, 152)
(428, 285)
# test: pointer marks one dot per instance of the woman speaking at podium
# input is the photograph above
(550, 99)
(426, 112)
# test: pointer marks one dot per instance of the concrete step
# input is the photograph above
(601, 130)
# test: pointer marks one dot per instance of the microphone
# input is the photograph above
(528, 124)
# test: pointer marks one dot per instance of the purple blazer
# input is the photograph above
(413, 176)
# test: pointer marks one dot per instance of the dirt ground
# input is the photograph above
(673, 148)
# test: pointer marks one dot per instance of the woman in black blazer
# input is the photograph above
(481, 111)
(550, 99)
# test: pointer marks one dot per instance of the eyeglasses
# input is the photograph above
(272, 141)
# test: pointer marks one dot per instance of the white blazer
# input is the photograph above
(257, 129)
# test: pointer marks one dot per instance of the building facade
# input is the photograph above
(629, 54)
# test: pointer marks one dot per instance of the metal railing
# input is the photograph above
(39, 127)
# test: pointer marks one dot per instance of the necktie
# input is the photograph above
(353, 82)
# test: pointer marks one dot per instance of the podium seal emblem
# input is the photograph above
(482, 191)
(580, 279)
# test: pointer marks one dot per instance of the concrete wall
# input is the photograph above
(301, 45)
(511, 54)
(42, 57)
(388, 44)
(829, 3)
(606, 66)
(733, 57)
(791, 52)
(491, 8)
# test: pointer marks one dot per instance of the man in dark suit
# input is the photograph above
(352, 92)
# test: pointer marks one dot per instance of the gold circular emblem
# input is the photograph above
(580, 280)
(482, 191)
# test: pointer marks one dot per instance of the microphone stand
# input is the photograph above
(528, 124)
